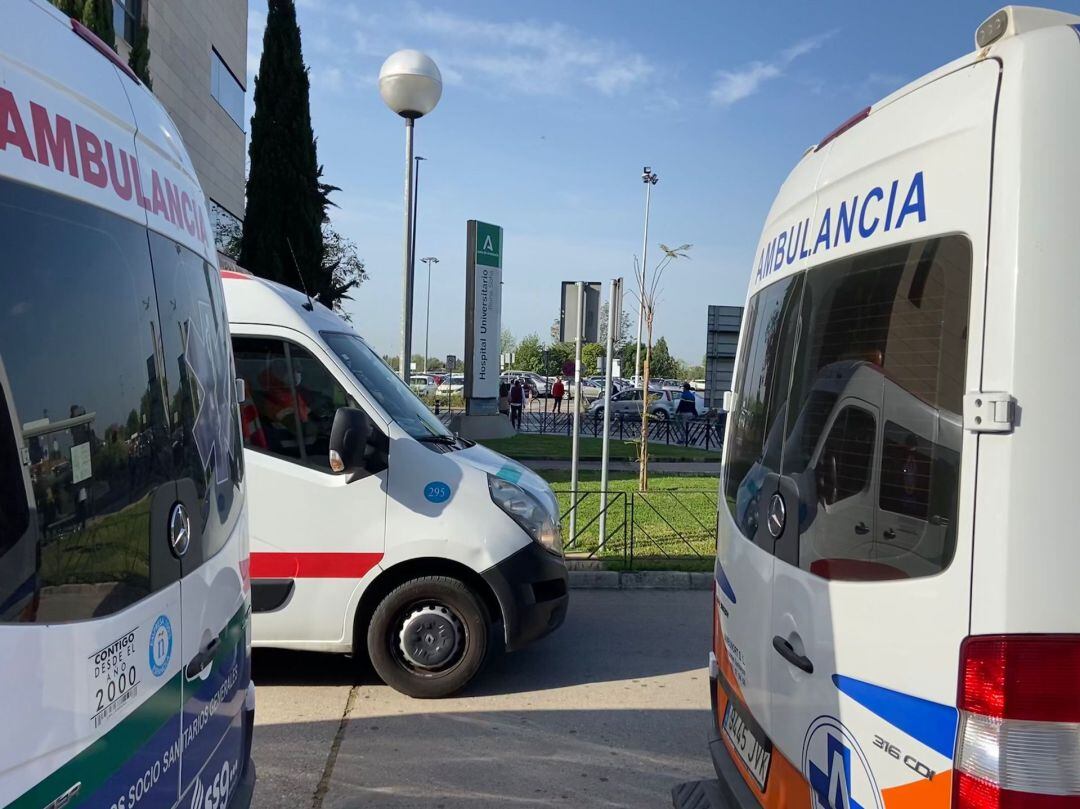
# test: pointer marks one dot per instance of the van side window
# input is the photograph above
(844, 468)
(271, 416)
(292, 400)
(317, 388)
(78, 345)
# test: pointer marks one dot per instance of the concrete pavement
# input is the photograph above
(610, 711)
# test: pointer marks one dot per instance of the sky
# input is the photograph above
(548, 114)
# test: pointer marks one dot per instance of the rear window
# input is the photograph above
(869, 409)
(78, 331)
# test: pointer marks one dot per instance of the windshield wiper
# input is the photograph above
(449, 440)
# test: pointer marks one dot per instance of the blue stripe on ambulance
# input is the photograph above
(931, 723)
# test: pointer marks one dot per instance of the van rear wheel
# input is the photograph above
(429, 637)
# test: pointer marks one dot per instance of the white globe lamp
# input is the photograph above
(411, 85)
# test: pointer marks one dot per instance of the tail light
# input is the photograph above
(1019, 736)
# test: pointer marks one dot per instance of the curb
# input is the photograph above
(639, 580)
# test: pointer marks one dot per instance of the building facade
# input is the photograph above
(198, 67)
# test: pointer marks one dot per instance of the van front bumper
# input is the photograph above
(532, 587)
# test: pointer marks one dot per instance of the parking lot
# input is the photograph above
(610, 711)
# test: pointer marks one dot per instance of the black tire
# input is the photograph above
(660, 415)
(598, 415)
(450, 603)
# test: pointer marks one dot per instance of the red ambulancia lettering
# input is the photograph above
(189, 219)
(122, 189)
(93, 167)
(12, 130)
(74, 149)
(172, 194)
(140, 197)
(55, 146)
(159, 195)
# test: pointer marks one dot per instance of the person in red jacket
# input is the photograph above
(558, 390)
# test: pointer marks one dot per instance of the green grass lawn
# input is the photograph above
(525, 446)
(673, 525)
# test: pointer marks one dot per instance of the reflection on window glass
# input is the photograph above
(225, 89)
(760, 398)
(386, 387)
(201, 396)
(844, 466)
(886, 330)
(271, 416)
(14, 494)
(77, 343)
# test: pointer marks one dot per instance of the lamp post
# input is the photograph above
(649, 177)
(429, 260)
(410, 84)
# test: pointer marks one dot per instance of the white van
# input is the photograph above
(373, 527)
(895, 619)
(124, 590)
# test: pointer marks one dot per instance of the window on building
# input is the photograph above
(126, 18)
(226, 89)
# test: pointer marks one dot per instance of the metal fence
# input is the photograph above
(702, 433)
(665, 524)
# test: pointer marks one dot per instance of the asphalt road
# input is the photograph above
(610, 711)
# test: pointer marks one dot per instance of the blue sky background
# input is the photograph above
(549, 111)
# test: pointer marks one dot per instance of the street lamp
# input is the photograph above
(649, 177)
(427, 318)
(410, 84)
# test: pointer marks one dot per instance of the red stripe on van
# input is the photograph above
(239, 276)
(312, 565)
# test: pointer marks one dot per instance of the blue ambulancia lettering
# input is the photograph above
(859, 217)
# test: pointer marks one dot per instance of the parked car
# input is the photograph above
(451, 384)
(629, 404)
(538, 385)
(423, 384)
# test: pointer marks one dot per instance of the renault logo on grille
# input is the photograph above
(179, 530)
(777, 515)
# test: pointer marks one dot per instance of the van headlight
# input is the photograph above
(526, 511)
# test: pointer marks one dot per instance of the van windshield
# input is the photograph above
(377, 378)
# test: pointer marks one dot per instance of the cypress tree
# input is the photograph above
(286, 200)
(97, 15)
(69, 7)
(139, 60)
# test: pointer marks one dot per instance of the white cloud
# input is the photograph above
(527, 56)
(730, 86)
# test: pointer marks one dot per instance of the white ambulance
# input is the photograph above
(372, 526)
(124, 590)
(896, 614)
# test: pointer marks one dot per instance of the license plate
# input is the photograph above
(755, 754)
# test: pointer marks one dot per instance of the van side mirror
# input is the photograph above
(349, 438)
(827, 480)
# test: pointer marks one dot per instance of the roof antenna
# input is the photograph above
(309, 305)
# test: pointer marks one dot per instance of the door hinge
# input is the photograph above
(989, 412)
(729, 400)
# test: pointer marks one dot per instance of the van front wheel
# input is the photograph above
(429, 637)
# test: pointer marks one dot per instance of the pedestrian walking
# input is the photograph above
(504, 398)
(558, 390)
(517, 402)
(686, 410)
